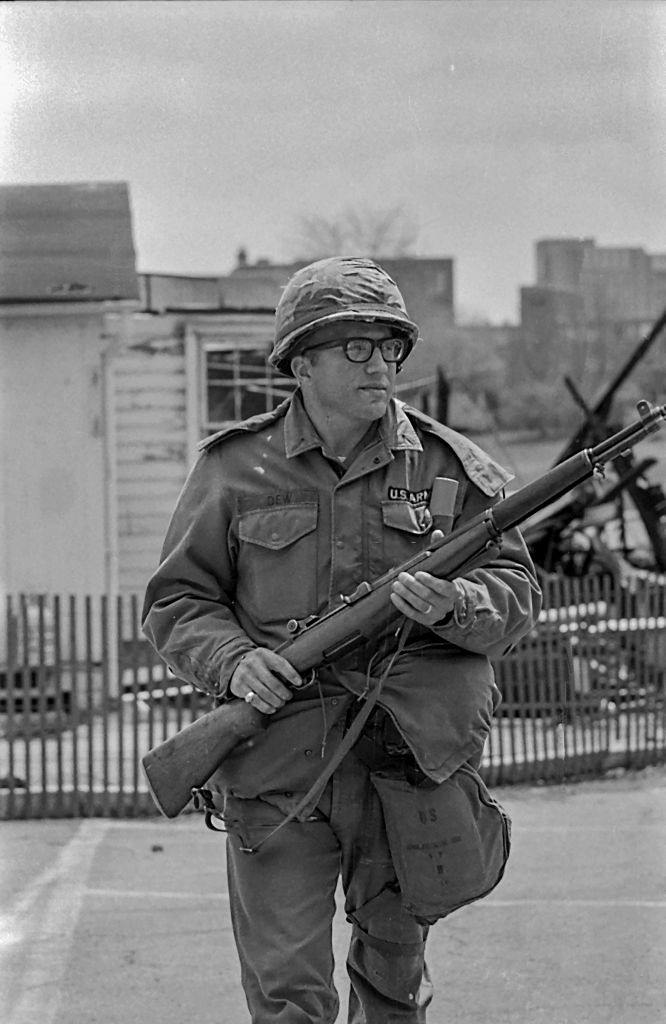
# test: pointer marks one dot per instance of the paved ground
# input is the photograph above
(112, 921)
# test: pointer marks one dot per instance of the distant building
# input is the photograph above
(560, 261)
(658, 282)
(551, 322)
(615, 282)
(541, 309)
(590, 305)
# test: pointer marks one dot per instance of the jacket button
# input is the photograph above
(288, 793)
(334, 702)
(308, 753)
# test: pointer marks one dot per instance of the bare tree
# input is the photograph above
(356, 232)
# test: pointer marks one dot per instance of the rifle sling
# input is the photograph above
(317, 788)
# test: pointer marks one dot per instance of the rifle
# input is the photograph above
(187, 760)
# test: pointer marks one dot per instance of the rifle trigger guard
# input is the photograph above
(308, 680)
(208, 821)
(203, 801)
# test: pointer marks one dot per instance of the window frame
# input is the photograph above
(277, 387)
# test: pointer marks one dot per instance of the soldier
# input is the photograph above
(281, 514)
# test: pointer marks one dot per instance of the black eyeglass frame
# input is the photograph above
(374, 342)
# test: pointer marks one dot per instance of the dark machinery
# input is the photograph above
(616, 525)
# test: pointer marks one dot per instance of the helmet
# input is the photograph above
(338, 288)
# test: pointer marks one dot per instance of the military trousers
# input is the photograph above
(282, 901)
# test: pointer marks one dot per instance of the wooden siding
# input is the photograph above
(157, 406)
(151, 452)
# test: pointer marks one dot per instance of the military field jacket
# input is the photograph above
(267, 529)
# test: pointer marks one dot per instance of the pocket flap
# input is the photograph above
(277, 528)
(402, 515)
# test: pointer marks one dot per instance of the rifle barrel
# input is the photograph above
(558, 481)
(631, 435)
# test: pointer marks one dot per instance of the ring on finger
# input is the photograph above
(426, 611)
(249, 696)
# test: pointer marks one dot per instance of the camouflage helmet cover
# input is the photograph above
(338, 288)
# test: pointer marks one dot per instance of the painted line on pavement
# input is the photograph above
(156, 894)
(38, 931)
(639, 827)
(562, 901)
(544, 901)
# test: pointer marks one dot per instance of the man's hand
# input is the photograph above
(263, 674)
(423, 597)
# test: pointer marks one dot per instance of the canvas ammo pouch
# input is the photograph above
(449, 843)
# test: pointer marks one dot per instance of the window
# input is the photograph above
(443, 287)
(239, 383)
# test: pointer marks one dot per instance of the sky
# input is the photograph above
(489, 123)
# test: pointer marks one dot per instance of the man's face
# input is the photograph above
(358, 391)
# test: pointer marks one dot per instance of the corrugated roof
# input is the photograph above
(70, 242)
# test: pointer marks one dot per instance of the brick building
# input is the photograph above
(615, 282)
(588, 308)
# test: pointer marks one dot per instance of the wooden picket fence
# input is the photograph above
(83, 697)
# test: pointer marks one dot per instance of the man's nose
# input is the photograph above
(376, 360)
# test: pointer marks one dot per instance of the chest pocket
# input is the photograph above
(277, 562)
(406, 530)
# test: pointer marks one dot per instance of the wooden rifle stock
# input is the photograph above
(188, 759)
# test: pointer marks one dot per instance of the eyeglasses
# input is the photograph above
(360, 350)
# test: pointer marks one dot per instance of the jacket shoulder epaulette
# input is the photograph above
(252, 425)
(482, 470)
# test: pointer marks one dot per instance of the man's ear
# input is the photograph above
(300, 367)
